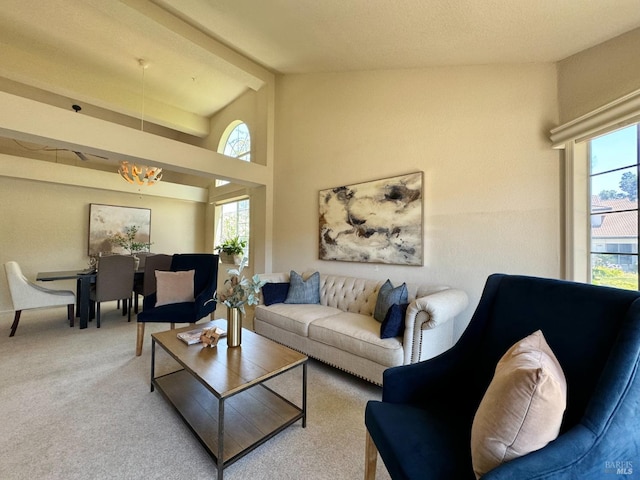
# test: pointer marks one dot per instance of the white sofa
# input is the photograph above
(342, 332)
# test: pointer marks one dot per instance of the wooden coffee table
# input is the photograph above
(220, 392)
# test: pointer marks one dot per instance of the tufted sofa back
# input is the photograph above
(351, 294)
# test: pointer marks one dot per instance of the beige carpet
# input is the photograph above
(75, 404)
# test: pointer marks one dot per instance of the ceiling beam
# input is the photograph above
(220, 56)
(43, 171)
(31, 121)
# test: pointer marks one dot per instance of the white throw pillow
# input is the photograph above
(523, 407)
(174, 287)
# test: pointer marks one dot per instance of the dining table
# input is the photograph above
(84, 279)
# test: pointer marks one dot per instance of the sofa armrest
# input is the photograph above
(429, 313)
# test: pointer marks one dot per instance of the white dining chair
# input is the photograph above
(27, 295)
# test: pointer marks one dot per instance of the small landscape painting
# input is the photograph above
(374, 222)
(108, 220)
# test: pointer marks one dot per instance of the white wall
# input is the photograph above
(492, 181)
(599, 75)
(45, 226)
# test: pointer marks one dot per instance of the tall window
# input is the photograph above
(236, 143)
(613, 179)
(232, 219)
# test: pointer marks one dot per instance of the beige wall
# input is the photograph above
(492, 182)
(45, 226)
(599, 75)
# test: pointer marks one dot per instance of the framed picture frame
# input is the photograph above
(107, 220)
(375, 222)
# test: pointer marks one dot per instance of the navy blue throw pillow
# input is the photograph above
(275, 292)
(393, 324)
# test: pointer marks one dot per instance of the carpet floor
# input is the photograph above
(76, 405)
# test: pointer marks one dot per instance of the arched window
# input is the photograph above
(235, 142)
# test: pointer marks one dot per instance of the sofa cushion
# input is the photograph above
(393, 325)
(357, 334)
(293, 318)
(303, 291)
(274, 292)
(387, 296)
(522, 409)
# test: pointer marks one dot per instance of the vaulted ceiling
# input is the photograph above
(90, 50)
(95, 51)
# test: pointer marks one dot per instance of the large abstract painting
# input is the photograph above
(376, 222)
(107, 220)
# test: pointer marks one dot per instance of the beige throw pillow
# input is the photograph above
(174, 287)
(522, 409)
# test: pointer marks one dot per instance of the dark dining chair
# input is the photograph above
(422, 428)
(147, 284)
(114, 281)
(205, 278)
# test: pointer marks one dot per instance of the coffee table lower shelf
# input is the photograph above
(250, 418)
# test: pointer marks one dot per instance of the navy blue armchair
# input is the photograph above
(205, 284)
(422, 426)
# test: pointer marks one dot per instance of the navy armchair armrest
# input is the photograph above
(417, 382)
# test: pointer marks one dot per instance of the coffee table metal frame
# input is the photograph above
(195, 399)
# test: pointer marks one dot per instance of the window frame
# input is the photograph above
(572, 139)
(623, 258)
(219, 218)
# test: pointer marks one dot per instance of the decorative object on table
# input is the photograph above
(238, 292)
(128, 241)
(193, 337)
(210, 336)
(105, 221)
(234, 325)
(232, 250)
(374, 222)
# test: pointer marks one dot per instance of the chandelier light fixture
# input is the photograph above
(140, 174)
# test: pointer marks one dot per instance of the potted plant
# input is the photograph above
(238, 291)
(128, 241)
(231, 250)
